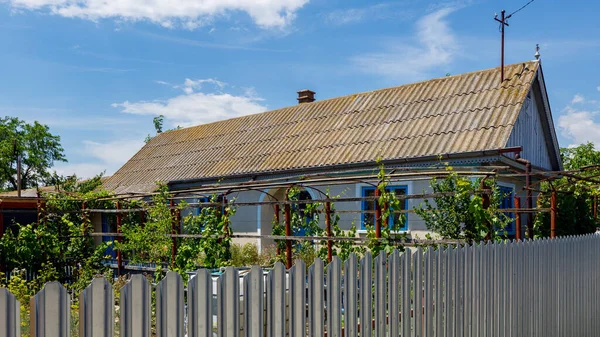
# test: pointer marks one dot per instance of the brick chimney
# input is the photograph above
(306, 96)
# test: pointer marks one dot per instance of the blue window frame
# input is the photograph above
(368, 218)
(109, 226)
(199, 201)
(507, 194)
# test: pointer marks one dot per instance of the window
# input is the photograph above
(507, 197)
(109, 225)
(368, 207)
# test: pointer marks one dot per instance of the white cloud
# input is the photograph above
(581, 124)
(101, 157)
(435, 46)
(193, 108)
(381, 11)
(81, 170)
(598, 88)
(578, 98)
(169, 13)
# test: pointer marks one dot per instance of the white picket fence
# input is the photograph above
(530, 288)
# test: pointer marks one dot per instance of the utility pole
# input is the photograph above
(503, 24)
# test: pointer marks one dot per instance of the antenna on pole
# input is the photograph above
(503, 24)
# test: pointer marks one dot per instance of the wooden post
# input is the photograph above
(517, 218)
(328, 229)
(173, 231)
(377, 214)
(553, 215)
(120, 239)
(288, 232)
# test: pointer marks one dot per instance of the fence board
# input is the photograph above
(316, 317)
(135, 308)
(394, 293)
(10, 314)
(529, 288)
(334, 298)
(366, 295)
(351, 296)
(276, 297)
(380, 292)
(200, 304)
(169, 306)
(51, 312)
(97, 310)
(298, 299)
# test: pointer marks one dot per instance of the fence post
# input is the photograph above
(553, 215)
(10, 317)
(97, 309)
(328, 229)
(50, 312)
(517, 218)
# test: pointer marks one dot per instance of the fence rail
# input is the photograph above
(527, 288)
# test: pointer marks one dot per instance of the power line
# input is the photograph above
(518, 10)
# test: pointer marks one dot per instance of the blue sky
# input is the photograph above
(98, 71)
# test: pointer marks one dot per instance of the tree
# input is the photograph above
(575, 197)
(36, 147)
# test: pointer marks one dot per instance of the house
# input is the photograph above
(470, 120)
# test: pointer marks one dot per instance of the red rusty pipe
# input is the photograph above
(277, 249)
(553, 215)
(529, 198)
(485, 203)
(328, 229)
(174, 239)
(377, 214)
(517, 218)
(288, 232)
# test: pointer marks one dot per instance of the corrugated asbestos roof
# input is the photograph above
(468, 112)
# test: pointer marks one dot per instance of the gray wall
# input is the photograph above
(528, 132)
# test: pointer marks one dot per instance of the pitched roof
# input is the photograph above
(462, 113)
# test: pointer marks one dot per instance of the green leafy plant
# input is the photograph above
(459, 212)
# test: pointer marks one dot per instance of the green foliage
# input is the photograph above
(248, 255)
(150, 242)
(35, 145)
(575, 197)
(460, 214)
(213, 249)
